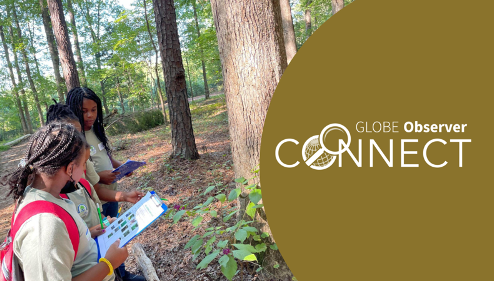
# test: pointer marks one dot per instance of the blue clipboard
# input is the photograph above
(127, 168)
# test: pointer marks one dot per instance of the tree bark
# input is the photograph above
(336, 6)
(288, 30)
(78, 55)
(55, 60)
(28, 70)
(64, 47)
(308, 20)
(204, 75)
(160, 93)
(253, 58)
(14, 84)
(183, 140)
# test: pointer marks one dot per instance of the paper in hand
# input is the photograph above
(127, 168)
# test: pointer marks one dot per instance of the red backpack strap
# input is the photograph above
(64, 196)
(39, 207)
(87, 186)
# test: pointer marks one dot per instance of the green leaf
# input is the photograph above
(241, 235)
(204, 263)
(244, 255)
(209, 189)
(223, 260)
(178, 215)
(197, 246)
(211, 241)
(250, 210)
(256, 238)
(251, 186)
(225, 219)
(197, 221)
(221, 197)
(264, 235)
(276, 265)
(207, 234)
(255, 196)
(210, 199)
(245, 247)
(222, 244)
(214, 213)
(261, 247)
(230, 269)
(259, 269)
(234, 194)
(258, 206)
(274, 247)
(191, 242)
(250, 229)
(240, 180)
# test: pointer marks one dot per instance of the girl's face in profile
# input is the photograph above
(90, 111)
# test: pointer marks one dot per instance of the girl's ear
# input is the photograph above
(70, 169)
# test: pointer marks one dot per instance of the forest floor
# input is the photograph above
(180, 181)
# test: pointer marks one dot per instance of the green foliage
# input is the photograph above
(4, 147)
(137, 122)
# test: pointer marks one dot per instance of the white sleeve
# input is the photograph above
(44, 249)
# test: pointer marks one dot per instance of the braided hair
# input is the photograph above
(50, 148)
(75, 99)
(61, 113)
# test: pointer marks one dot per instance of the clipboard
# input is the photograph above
(126, 168)
(131, 223)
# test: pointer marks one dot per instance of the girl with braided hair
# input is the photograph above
(42, 245)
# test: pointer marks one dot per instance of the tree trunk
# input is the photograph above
(160, 93)
(190, 82)
(204, 76)
(308, 20)
(336, 6)
(14, 84)
(32, 49)
(28, 70)
(253, 58)
(103, 95)
(183, 140)
(120, 96)
(64, 47)
(55, 60)
(78, 55)
(288, 30)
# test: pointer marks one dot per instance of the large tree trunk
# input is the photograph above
(253, 57)
(14, 84)
(308, 20)
(160, 93)
(183, 140)
(288, 30)
(336, 6)
(64, 47)
(78, 55)
(204, 75)
(55, 60)
(28, 70)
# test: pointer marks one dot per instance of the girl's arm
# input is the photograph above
(110, 195)
(116, 164)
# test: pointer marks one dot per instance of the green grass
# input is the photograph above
(4, 147)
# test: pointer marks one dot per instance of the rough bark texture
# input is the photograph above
(183, 140)
(336, 6)
(14, 84)
(64, 47)
(78, 55)
(28, 71)
(253, 58)
(308, 20)
(204, 75)
(288, 30)
(158, 83)
(55, 60)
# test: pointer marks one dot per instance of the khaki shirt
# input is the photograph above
(91, 174)
(85, 206)
(43, 247)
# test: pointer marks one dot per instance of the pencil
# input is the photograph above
(164, 199)
(120, 209)
(99, 215)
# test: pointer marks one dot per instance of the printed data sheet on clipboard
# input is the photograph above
(129, 224)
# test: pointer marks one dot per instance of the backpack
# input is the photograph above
(87, 187)
(10, 270)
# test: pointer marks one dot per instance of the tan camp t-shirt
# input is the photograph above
(91, 174)
(43, 247)
(85, 206)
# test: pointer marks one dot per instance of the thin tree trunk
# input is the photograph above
(160, 93)
(204, 75)
(28, 70)
(120, 96)
(64, 47)
(183, 140)
(78, 55)
(336, 6)
(253, 58)
(308, 20)
(103, 94)
(55, 60)
(288, 30)
(32, 49)
(190, 82)
(14, 84)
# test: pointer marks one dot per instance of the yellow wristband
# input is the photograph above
(109, 265)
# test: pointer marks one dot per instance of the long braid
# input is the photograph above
(75, 99)
(50, 148)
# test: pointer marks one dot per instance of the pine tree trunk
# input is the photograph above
(288, 30)
(78, 55)
(204, 75)
(26, 112)
(28, 70)
(308, 20)
(336, 6)
(64, 47)
(14, 84)
(160, 92)
(253, 58)
(55, 60)
(183, 140)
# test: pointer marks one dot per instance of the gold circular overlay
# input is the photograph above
(376, 62)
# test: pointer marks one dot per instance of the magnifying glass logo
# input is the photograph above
(322, 137)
